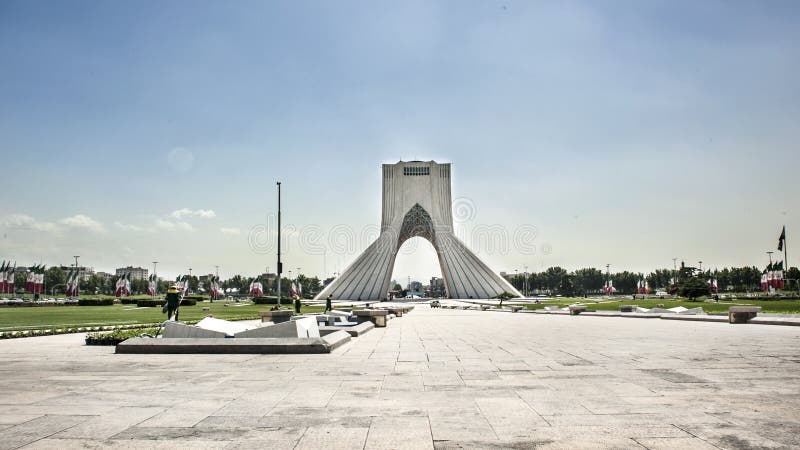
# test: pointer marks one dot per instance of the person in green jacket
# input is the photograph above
(297, 304)
(173, 301)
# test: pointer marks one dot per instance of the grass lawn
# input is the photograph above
(770, 306)
(25, 318)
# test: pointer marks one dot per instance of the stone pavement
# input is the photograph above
(432, 379)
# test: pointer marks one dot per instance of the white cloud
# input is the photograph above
(26, 222)
(172, 226)
(230, 231)
(82, 221)
(186, 212)
(180, 159)
(128, 227)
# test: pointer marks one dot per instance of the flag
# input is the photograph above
(782, 239)
(3, 278)
(10, 279)
(764, 281)
(30, 283)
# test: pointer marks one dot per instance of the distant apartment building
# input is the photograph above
(436, 288)
(137, 273)
(84, 272)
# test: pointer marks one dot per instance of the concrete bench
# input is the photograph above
(742, 314)
(574, 310)
(279, 316)
(516, 309)
(627, 308)
(376, 316)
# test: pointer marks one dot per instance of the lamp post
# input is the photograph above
(296, 280)
(77, 274)
(155, 278)
(525, 282)
(280, 265)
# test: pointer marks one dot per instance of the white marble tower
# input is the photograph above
(417, 202)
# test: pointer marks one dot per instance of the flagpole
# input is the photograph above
(280, 265)
(786, 258)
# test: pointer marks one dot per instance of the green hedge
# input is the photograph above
(149, 302)
(128, 301)
(96, 302)
(196, 298)
(117, 336)
(268, 300)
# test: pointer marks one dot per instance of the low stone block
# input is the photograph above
(174, 330)
(574, 310)
(742, 314)
(301, 328)
(354, 331)
(283, 315)
(223, 326)
(627, 308)
(376, 316)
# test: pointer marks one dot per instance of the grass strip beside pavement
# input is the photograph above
(62, 317)
(767, 306)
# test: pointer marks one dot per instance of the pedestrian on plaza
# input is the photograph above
(328, 303)
(297, 304)
(173, 301)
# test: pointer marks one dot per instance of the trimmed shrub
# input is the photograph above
(96, 302)
(196, 298)
(267, 300)
(128, 301)
(117, 336)
(149, 302)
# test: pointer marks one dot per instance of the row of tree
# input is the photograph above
(557, 280)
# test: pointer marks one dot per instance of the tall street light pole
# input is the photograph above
(155, 278)
(280, 265)
(525, 284)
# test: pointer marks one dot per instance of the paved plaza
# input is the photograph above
(431, 379)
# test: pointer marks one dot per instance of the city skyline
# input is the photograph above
(617, 132)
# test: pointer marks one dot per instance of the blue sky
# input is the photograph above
(625, 132)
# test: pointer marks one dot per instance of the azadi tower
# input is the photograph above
(417, 202)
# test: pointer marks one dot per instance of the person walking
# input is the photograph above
(173, 301)
(297, 304)
(328, 303)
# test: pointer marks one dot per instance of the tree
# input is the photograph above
(55, 277)
(396, 287)
(626, 282)
(660, 279)
(588, 280)
(792, 277)
(693, 288)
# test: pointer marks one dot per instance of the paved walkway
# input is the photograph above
(433, 378)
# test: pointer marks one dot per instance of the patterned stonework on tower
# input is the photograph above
(417, 202)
